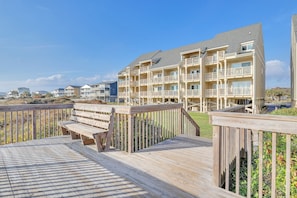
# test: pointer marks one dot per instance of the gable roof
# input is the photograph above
(232, 39)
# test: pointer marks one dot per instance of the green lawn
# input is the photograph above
(202, 119)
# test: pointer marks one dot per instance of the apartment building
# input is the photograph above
(294, 61)
(205, 76)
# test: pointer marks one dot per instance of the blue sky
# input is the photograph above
(48, 44)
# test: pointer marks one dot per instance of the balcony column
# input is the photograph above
(225, 83)
(218, 94)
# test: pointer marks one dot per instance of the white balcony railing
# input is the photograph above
(239, 72)
(191, 61)
(191, 77)
(211, 92)
(193, 92)
(143, 81)
(122, 83)
(211, 76)
(144, 69)
(239, 91)
(170, 78)
(157, 80)
(170, 93)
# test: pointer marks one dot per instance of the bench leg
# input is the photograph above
(86, 141)
(99, 142)
(74, 135)
(108, 141)
(65, 131)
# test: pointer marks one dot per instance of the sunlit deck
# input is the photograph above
(61, 167)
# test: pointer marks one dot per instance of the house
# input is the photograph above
(86, 91)
(105, 91)
(58, 92)
(72, 91)
(294, 61)
(205, 76)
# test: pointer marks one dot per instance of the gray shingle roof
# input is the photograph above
(231, 38)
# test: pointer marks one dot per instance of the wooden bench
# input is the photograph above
(92, 123)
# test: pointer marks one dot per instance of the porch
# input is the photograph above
(61, 167)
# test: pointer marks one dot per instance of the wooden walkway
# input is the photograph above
(61, 167)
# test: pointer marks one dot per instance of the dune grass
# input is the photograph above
(202, 119)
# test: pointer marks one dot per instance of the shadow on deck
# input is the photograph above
(61, 167)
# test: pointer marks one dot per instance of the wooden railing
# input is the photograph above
(136, 127)
(32, 121)
(255, 155)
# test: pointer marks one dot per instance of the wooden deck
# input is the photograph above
(61, 167)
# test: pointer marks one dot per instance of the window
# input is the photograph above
(246, 47)
(241, 84)
(159, 75)
(195, 86)
(174, 87)
(195, 71)
(246, 64)
(242, 64)
(156, 89)
(173, 73)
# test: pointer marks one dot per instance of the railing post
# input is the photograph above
(130, 133)
(216, 155)
(181, 121)
(34, 124)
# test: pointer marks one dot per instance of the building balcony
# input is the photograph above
(122, 83)
(239, 72)
(193, 93)
(134, 83)
(143, 94)
(240, 91)
(232, 92)
(123, 94)
(143, 81)
(211, 92)
(157, 80)
(191, 61)
(170, 79)
(144, 69)
(212, 76)
(170, 93)
(191, 77)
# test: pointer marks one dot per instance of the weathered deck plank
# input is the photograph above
(61, 167)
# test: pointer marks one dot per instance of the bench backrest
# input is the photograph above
(100, 116)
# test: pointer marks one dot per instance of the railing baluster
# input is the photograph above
(273, 171)
(260, 188)
(249, 162)
(288, 165)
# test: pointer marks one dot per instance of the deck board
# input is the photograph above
(61, 167)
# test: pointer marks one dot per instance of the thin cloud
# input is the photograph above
(277, 74)
(45, 80)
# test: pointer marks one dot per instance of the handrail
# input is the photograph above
(245, 145)
(31, 121)
(136, 127)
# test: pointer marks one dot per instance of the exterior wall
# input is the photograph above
(294, 61)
